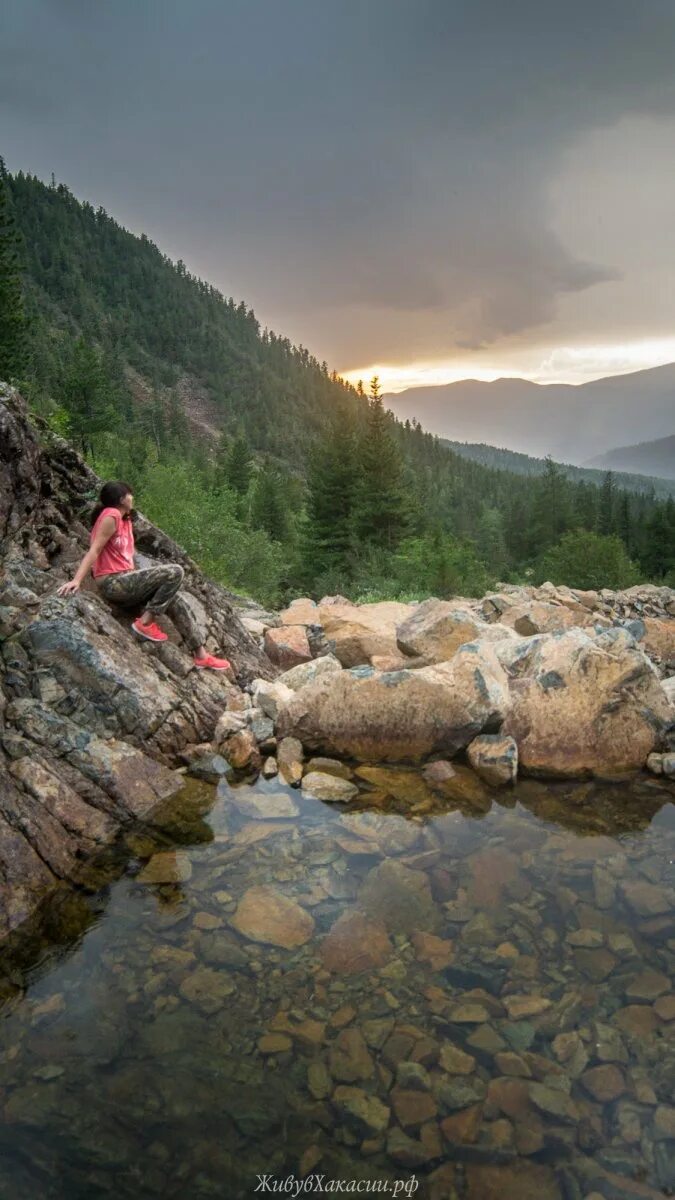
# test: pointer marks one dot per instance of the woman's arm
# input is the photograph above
(106, 530)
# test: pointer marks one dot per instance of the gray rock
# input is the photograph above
(322, 786)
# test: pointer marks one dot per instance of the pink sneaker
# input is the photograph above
(212, 663)
(151, 632)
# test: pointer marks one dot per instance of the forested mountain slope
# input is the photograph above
(273, 472)
(526, 464)
(657, 456)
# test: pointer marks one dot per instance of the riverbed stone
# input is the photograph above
(355, 943)
(169, 866)
(519, 1181)
(604, 1083)
(454, 1061)
(263, 806)
(495, 758)
(264, 914)
(399, 897)
(463, 1127)
(207, 989)
(648, 985)
(290, 759)
(389, 833)
(349, 1058)
(646, 899)
(321, 785)
(522, 1006)
(412, 1108)
(664, 1007)
(361, 1111)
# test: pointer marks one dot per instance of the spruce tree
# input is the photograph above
(551, 510)
(379, 506)
(331, 485)
(87, 398)
(606, 508)
(12, 317)
(268, 507)
(239, 465)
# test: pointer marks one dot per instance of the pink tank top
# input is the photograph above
(118, 552)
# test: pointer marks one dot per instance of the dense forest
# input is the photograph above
(526, 464)
(276, 474)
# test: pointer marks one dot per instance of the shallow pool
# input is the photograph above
(474, 1001)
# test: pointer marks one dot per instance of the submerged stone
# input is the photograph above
(169, 866)
(265, 914)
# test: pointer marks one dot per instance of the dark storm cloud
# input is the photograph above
(370, 173)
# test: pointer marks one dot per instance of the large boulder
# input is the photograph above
(401, 715)
(360, 631)
(436, 629)
(540, 616)
(305, 673)
(658, 641)
(287, 646)
(302, 611)
(585, 706)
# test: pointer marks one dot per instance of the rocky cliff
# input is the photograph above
(91, 721)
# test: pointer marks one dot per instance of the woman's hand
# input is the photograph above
(67, 589)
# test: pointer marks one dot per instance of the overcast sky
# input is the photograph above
(434, 188)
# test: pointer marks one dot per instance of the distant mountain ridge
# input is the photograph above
(572, 423)
(657, 457)
(525, 464)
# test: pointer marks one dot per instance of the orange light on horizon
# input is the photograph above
(558, 364)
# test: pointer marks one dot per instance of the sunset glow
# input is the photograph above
(559, 364)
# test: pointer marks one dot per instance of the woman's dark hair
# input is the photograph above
(109, 497)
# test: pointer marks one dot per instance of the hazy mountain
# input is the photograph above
(571, 423)
(525, 464)
(656, 457)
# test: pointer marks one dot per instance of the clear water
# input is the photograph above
(131, 1059)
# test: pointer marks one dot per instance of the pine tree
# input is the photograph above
(606, 513)
(268, 508)
(12, 317)
(491, 541)
(379, 506)
(551, 510)
(331, 485)
(239, 465)
(87, 399)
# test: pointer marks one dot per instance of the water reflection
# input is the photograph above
(474, 990)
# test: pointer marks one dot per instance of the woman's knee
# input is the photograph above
(174, 572)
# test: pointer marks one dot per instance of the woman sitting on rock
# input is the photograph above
(111, 559)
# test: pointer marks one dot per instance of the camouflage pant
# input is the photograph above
(157, 590)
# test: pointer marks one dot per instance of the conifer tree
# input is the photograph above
(268, 509)
(551, 510)
(12, 317)
(379, 506)
(606, 515)
(87, 399)
(331, 486)
(239, 465)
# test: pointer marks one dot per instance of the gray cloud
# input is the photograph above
(371, 176)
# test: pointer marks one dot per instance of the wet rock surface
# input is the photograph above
(91, 720)
(481, 1001)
